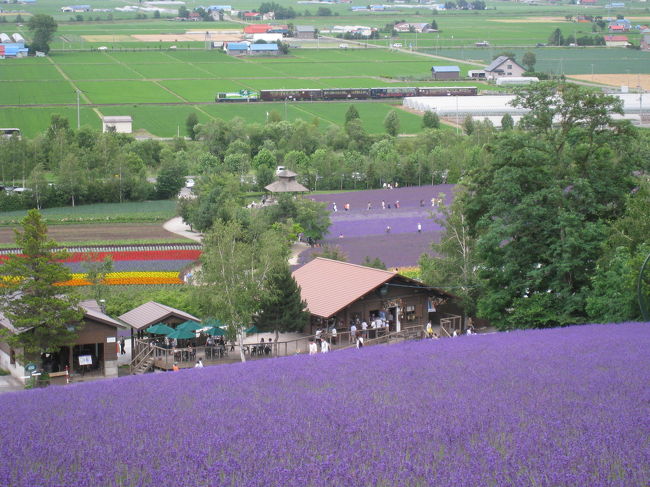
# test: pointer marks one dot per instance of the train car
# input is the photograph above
(237, 96)
(447, 91)
(291, 95)
(392, 92)
(346, 94)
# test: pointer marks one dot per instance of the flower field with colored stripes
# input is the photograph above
(134, 265)
(561, 407)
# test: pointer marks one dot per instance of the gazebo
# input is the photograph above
(286, 183)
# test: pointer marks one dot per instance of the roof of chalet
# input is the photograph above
(445, 69)
(615, 38)
(91, 310)
(494, 65)
(151, 313)
(328, 286)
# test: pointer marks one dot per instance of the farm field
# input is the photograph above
(142, 211)
(361, 233)
(140, 84)
(100, 234)
(542, 407)
(568, 60)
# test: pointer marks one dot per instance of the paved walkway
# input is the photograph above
(179, 227)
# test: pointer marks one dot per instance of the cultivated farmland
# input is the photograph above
(561, 407)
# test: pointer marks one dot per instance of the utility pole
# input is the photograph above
(78, 111)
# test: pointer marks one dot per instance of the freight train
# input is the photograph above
(347, 93)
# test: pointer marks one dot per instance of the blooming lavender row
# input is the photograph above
(408, 197)
(562, 407)
(375, 224)
(137, 265)
(394, 250)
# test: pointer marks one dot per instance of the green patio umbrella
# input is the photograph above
(160, 329)
(190, 325)
(180, 334)
(252, 329)
(215, 331)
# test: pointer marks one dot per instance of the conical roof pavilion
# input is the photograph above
(286, 183)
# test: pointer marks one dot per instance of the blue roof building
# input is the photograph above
(237, 48)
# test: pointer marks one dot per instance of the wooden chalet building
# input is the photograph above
(341, 293)
(96, 343)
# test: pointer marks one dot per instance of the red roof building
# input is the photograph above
(257, 29)
(339, 293)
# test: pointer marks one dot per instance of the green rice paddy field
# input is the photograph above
(160, 88)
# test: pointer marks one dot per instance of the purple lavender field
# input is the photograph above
(561, 407)
(364, 231)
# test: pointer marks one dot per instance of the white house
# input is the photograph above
(122, 124)
(503, 66)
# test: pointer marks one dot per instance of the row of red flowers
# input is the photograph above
(133, 255)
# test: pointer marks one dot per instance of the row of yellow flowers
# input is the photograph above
(133, 277)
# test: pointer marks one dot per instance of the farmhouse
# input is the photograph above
(619, 25)
(305, 32)
(445, 72)
(122, 124)
(12, 49)
(503, 66)
(252, 16)
(96, 346)
(341, 293)
(237, 48)
(419, 27)
(616, 41)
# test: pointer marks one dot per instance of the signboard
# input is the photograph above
(30, 368)
(110, 339)
(85, 360)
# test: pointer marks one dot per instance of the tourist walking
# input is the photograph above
(122, 346)
(359, 340)
(419, 227)
(324, 346)
(313, 349)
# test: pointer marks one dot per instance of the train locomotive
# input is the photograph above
(333, 94)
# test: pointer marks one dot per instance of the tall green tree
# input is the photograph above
(529, 59)
(281, 307)
(351, 113)
(43, 314)
(430, 120)
(235, 274)
(454, 264)
(507, 123)
(540, 204)
(43, 28)
(191, 122)
(391, 123)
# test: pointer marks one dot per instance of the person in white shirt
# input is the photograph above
(333, 334)
(199, 364)
(353, 332)
(324, 346)
(312, 348)
(364, 327)
(429, 330)
(359, 341)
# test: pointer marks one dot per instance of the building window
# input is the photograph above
(509, 66)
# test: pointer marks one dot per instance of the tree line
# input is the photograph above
(551, 226)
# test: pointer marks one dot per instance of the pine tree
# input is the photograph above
(46, 317)
(282, 308)
(351, 114)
